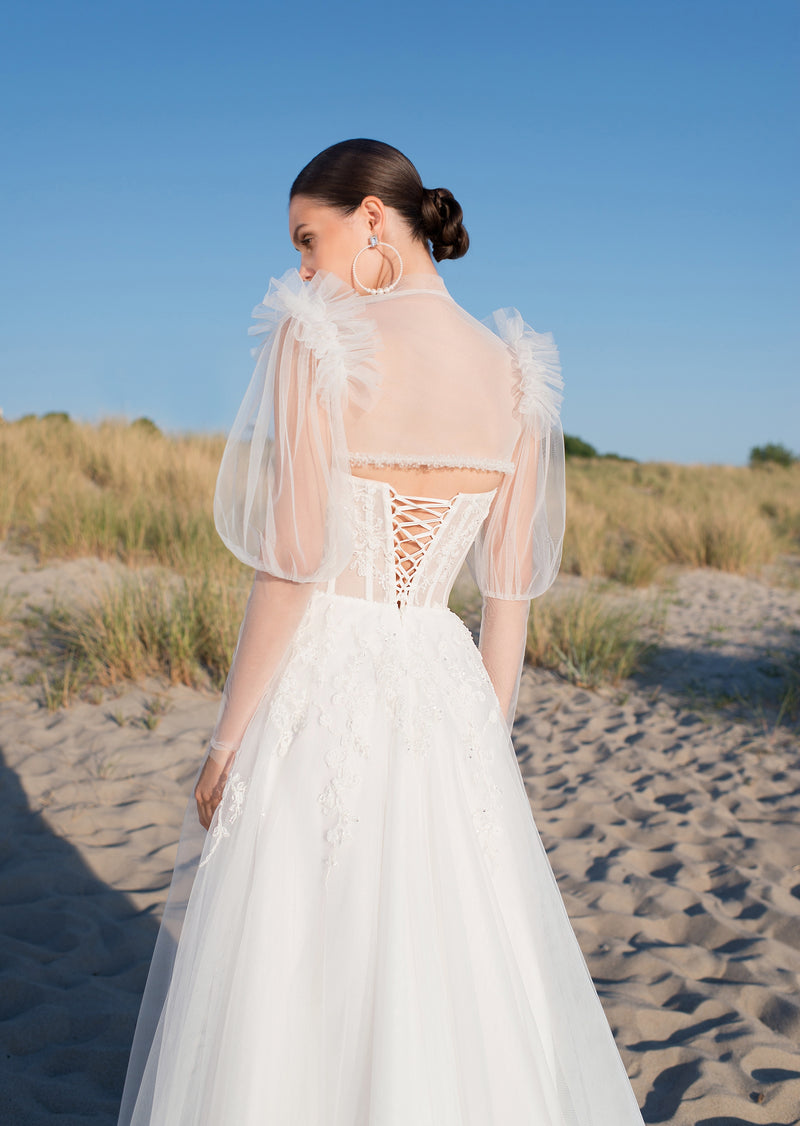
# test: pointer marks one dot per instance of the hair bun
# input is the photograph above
(442, 223)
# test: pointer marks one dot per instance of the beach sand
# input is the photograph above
(671, 824)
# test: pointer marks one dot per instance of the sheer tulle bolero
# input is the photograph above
(402, 373)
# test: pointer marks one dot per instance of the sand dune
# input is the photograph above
(671, 824)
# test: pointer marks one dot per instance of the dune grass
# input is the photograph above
(183, 628)
(128, 492)
(114, 490)
(589, 641)
(626, 520)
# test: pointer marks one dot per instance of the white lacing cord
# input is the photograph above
(425, 517)
(444, 461)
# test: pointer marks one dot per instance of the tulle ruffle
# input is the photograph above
(331, 320)
(538, 368)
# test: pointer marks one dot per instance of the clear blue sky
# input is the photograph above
(627, 172)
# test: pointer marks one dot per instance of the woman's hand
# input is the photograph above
(208, 791)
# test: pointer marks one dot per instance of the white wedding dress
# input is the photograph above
(370, 934)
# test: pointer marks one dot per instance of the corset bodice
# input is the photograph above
(408, 549)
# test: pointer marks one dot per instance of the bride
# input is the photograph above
(363, 928)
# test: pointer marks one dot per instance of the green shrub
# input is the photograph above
(576, 447)
(146, 425)
(773, 453)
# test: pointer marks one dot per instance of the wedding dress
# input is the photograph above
(370, 933)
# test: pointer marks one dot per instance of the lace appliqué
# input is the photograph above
(385, 669)
(444, 461)
(347, 721)
(290, 706)
(228, 812)
(383, 665)
(371, 554)
(472, 684)
(452, 550)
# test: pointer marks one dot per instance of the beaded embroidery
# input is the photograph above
(444, 461)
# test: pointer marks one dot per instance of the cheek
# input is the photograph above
(335, 256)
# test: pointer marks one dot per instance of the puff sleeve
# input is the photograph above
(517, 553)
(283, 493)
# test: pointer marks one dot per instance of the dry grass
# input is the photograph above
(587, 640)
(127, 492)
(181, 627)
(113, 490)
(625, 520)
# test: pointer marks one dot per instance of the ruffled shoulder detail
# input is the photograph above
(537, 365)
(330, 319)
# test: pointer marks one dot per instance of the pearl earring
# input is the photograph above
(372, 245)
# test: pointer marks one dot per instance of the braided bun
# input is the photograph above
(442, 223)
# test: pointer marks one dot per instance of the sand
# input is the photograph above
(671, 823)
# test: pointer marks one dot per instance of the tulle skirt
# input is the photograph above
(370, 934)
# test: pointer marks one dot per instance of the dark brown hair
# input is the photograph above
(343, 174)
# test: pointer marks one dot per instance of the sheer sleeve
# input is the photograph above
(517, 553)
(283, 494)
(283, 490)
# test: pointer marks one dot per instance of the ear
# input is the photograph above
(374, 213)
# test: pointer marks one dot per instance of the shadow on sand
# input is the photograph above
(73, 964)
(754, 688)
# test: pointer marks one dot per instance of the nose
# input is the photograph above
(306, 273)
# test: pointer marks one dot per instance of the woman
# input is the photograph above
(363, 927)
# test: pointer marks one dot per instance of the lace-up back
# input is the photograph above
(408, 549)
(415, 522)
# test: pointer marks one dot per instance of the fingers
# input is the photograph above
(210, 788)
(204, 815)
(206, 805)
(207, 802)
(205, 811)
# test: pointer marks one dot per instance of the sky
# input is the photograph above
(628, 173)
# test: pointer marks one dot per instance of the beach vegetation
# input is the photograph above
(128, 493)
(628, 521)
(589, 641)
(183, 628)
(773, 453)
(146, 424)
(576, 447)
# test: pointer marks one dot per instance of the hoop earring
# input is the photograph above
(373, 244)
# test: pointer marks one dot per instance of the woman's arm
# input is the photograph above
(274, 610)
(504, 625)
